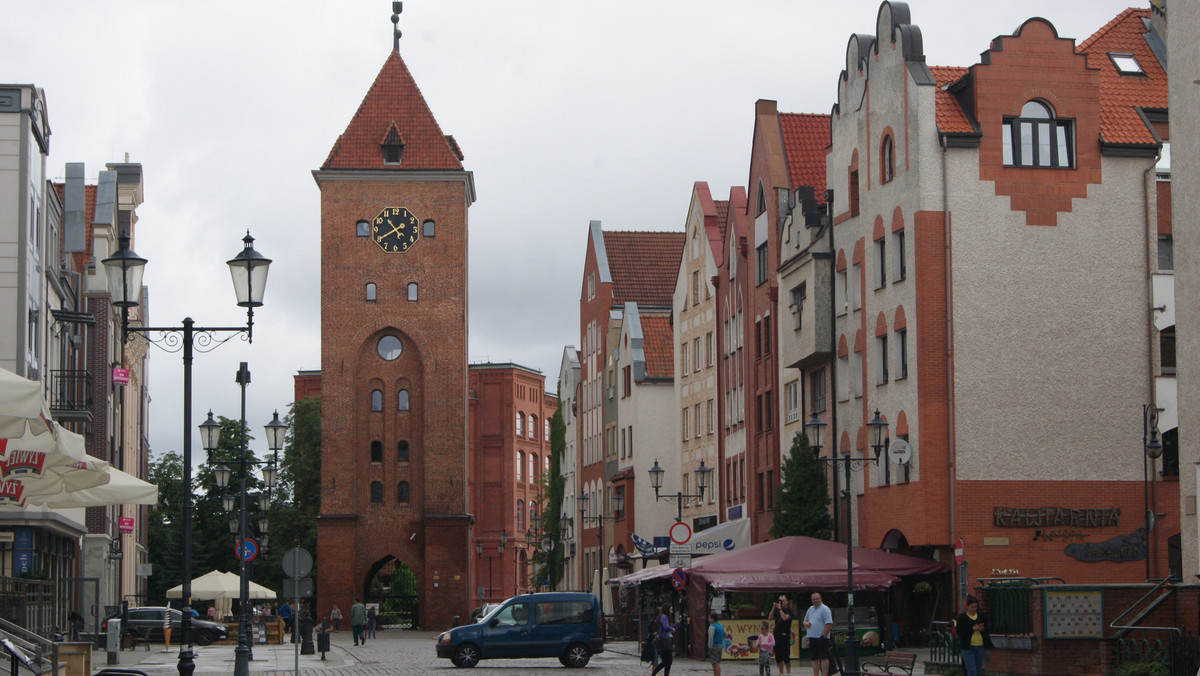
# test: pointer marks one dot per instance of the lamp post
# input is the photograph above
(124, 271)
(489, 557)
(275, 429)
(1152, 449)
(680, 498)
(618, 505)
(878, 427)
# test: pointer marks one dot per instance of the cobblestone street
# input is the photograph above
(410, 652)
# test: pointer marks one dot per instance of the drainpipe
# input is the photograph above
(1151, 239)
(951, 450)
(833, 358)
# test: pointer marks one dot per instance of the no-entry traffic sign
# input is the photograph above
(680, 533)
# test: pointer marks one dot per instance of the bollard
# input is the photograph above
(323, 643)
(306, 632)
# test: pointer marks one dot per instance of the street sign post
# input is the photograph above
(679, 579)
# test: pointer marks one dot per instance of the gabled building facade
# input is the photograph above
(995, 237)
(696, 368)
(619, 268)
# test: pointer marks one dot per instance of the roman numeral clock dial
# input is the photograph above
(394, 229)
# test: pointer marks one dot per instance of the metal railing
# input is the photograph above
(943, 644)
(71, 392)
(21, 647)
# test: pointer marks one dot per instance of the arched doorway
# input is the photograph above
(392, 584)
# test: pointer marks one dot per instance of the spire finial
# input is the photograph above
(397, 7)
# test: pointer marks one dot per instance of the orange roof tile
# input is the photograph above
(805, 138)
(643, 265)
(394, 109)
(658, 342)
(951, 119)
(1122, 95)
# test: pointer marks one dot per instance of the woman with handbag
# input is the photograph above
(666, 641)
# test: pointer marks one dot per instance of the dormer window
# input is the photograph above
(392, 146)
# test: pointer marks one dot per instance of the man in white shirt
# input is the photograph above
(818, 626)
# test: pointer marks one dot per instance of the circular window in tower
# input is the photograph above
(389, 348)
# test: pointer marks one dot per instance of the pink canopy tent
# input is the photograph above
(793, 564)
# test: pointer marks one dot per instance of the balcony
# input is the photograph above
(71, 395)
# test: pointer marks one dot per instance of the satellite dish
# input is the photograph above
(899, 452)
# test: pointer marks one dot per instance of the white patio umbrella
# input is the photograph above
(35, 468)
(22, 408)
(220, 585)
(121, 489)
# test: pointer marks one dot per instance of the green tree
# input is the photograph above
(296, 500)
(548, 566)
(165, 528)
(802, 503)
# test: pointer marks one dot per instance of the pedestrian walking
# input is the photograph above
(665, 641)
(285, 614)
(358, 621)
(766, 648)
(973, 636)
(372, 620)
(336, 616)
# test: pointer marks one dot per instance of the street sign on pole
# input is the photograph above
(679, 579)
(247, 549)
(681, 560)
(680, 533)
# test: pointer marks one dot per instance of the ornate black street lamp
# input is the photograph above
(877, 427)
(124, 271)
(210, 436)
(499, 551)
(618, 505)
(680, 498)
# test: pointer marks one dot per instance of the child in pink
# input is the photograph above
(766, 648)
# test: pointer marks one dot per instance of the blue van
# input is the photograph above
(565, 625)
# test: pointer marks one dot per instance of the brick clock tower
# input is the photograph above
(394, 200)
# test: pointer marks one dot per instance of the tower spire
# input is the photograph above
(397, 7)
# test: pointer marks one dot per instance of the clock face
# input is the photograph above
(394, 229)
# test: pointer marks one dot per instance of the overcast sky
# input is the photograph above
(566, 111)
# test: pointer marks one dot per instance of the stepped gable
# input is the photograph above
(1121, 96)
(394, 110)
(805, 140)
(644, 266)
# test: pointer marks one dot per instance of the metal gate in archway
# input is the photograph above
(394, 588)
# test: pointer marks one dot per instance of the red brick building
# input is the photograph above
(510, 416)
(394, 201)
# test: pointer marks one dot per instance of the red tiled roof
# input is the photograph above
(805, 138)
(644, 265)
(658, 341)
(394, 100)
(949, 115)
(1122, 95)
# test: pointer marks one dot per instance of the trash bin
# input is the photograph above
(323, 643)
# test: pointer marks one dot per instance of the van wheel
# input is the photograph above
(577, 656)
(467, 656)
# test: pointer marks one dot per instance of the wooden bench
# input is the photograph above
(901, 662)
